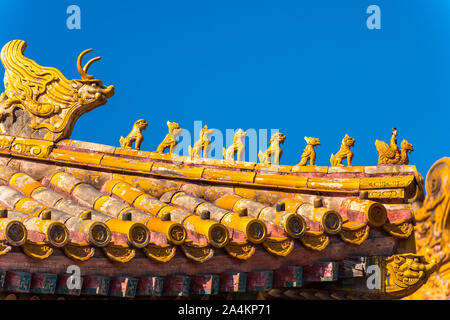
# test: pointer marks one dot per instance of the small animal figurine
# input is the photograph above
(273, 150)
(309, 153)
(170, 141)
(203, 144)
(135, 135)
(343, 153)
(392, 154)
(238, 147)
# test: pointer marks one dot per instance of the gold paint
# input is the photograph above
(160, 253)
(202, 144)
(315, 240)
(279, 246)
(119, 253)
(274, 150)
(354, 232)
(170, 141)
(197, 252)
(241, 250)
(79, 252)
(392, 154)
(343, 153)
(308, 152)
(51, 101)
(38, 250)
(399, 229)
(135, 135)
(238, 147)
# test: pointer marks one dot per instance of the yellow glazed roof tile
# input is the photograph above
(228, 175)
(76, 156)
(123, 163)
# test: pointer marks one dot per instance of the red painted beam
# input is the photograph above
(62, 288)
(288, 277)
(259, 280)
(176, 285)
(150, 286)
(233, 282)
(43, 283)
(205, 284)
(321, 271)
(123, 287)
(17, 281)
(96, 285)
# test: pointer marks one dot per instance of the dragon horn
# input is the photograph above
(83, 70)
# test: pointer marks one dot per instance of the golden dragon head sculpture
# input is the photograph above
(39, 102)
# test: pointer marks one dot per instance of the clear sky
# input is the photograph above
(308, 68)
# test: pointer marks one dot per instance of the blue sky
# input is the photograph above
(307, 68)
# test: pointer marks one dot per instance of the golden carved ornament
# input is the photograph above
(202, 145)
(160, 253)
(273, 150)
(343, 153)
(79, 252)
(135, 136)
(354, 232)
(37, 250)
(119, 253)
(50, 103)
(238, 147)
(241, 250)
(432, 230)
(399, 229)
(403, 274)
(315, 240)
(197, 252)
(309, 153)
(279, 246)
(170, 141)
(391, 154)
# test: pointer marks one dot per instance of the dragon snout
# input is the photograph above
(108, 92)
